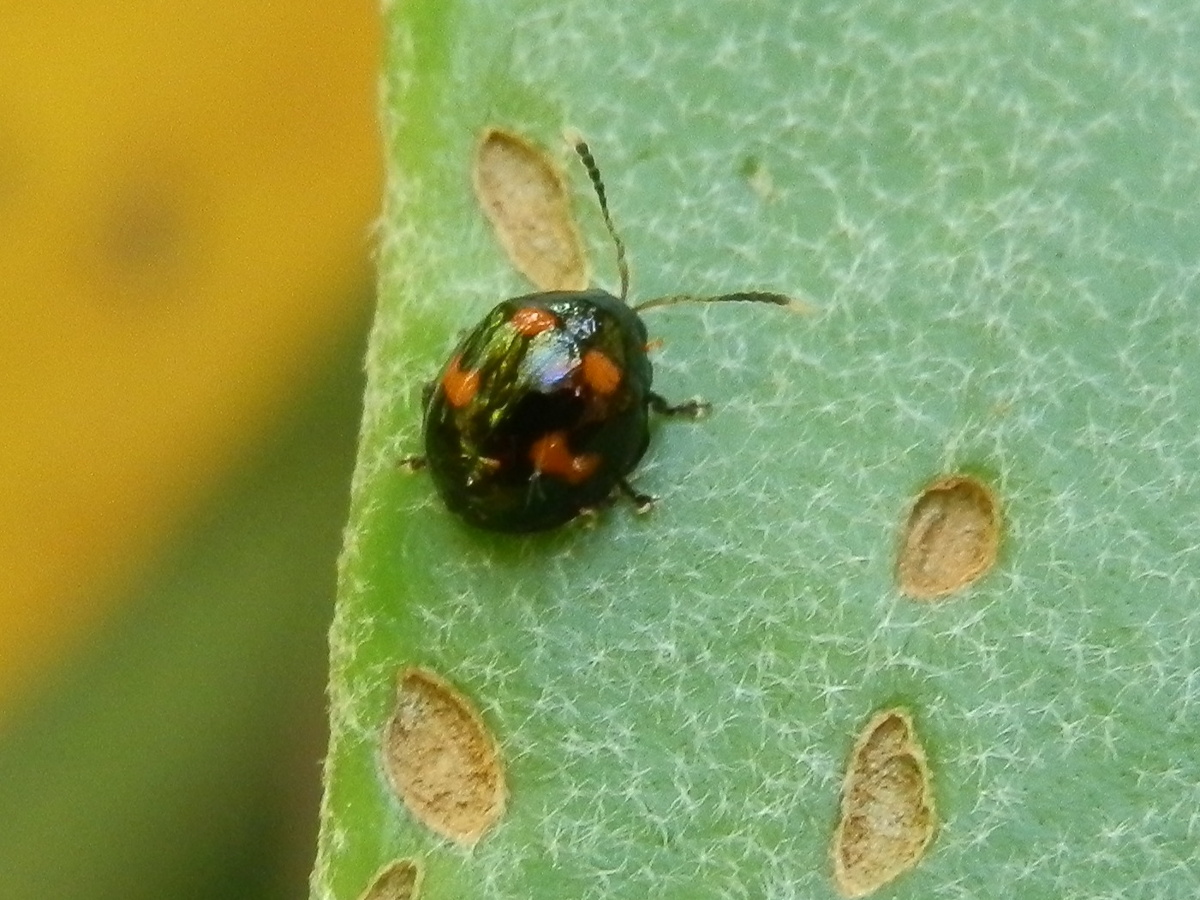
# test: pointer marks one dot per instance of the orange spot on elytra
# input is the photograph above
(529, 321)
(600, 373)
(460, 387)
(551, 456)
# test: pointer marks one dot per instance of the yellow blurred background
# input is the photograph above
(186, 197)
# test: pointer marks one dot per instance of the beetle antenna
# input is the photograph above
(593, 171)
(740, 297)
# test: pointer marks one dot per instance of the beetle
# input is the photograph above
(542, 410)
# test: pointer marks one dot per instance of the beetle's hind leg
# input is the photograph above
(416, 462)
(693, 409)
(643, 503)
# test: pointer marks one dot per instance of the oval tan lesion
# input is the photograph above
(887, 818)
(524, 195)
(951, 538)
(398, 880)
(441, 758)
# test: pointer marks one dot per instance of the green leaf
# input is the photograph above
(993, 207)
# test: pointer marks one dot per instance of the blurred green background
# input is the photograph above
(186, 199)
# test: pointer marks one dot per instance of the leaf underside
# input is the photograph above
(991, 207)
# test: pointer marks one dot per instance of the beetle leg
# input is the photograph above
(588, 516)
(643, 503)
(693, 409)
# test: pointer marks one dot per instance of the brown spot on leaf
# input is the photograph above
(951, 538)
(441, 758)
(759, 178)
(399, 880)
(524, 196)
(888, 817)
